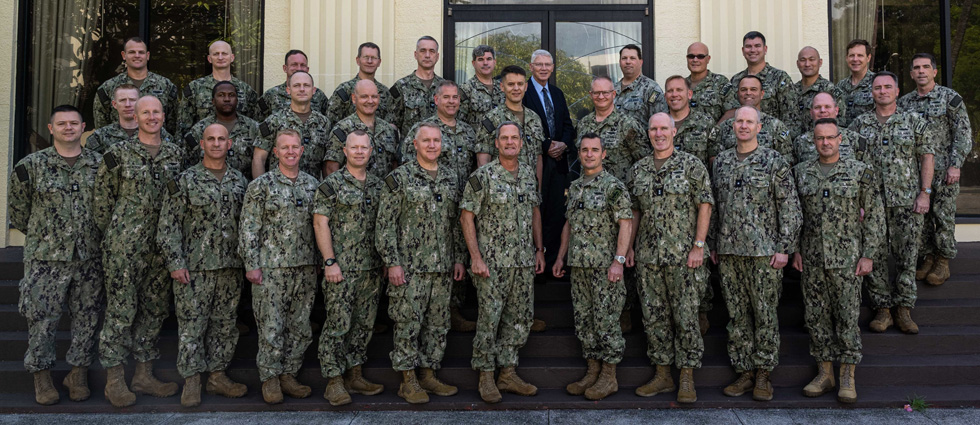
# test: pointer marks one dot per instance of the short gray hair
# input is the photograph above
(520, 133)
(542, 52)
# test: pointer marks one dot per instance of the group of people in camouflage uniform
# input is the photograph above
(414, 189)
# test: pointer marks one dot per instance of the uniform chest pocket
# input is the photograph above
(862, 98)
(419, 101)
(53, 186)
(418, 194)
(349, 198)
(846, 190)
(936, 108)
(632, 103)
(610, 139)
(501, 195)
(678, 186)
(133, 172)
(200, 199)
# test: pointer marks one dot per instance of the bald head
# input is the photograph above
(215, 144)
(365, 86)
(823, 106)
(697, 47)
(220, 55)
(365, 97)
(149, 115)
(808, 62)
(219, 46)
(215, 130)
(698, 58)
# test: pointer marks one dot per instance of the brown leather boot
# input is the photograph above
(219, 383)
(77, 384)
(903, 319)
(272, 391)
(145, 383)
(939, 273)
(763, 388)
(591, 375)
(924, 268)
(847, 393)
(431, 383)
(510, 382)
(44, 392)
(191, 397)
(459, 323)
(823, 382)
(410, 390)
(335, 393)
(116, 390)
(703, 323)
(882, 320)
(744, 383)
(538, 325)
(662, 382)
(606, 385)
(488, 390)
(356, 383)
(625, 322)
(293, 388)
(687, 393)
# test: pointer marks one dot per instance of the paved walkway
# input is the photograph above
(548, 417)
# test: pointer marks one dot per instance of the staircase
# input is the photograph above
(941, 364)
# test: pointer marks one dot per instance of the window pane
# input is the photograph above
(72, 44)
(587, 50)
(512, 42)
(965, 56)
(547, 2)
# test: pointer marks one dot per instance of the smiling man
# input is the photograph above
(480, 93)
(197, 101)
(774, 133)
(135, 58)
(709, 89)
(857, 86)
(383, 135)
(852, 144)
(637, 95)
(277, 98)
(411, 96)
(124, 102)
(780, 96)
(301, 117)
(808, 61)
(368, 61)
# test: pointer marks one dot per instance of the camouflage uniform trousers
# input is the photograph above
(903, 228)
(138, 296)
(351, 306)
(420, 310)
(597, 303)
(506, 307)
(206, 310)
(751, 288)
(833, 301)
(708, 296)
(939, 224)
(459, 291)
(45, 288)
(669, 298)
(282, 305)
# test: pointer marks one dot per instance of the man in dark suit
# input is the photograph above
(559, 137)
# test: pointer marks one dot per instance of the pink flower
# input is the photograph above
(908, 408)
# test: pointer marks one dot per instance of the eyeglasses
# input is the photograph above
(823, 138)
(692, 56)
(370, 58)
(602, 93)
(542, 65)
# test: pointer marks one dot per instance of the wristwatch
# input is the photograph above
(699, 244)
(620, 259)
(542, 249)
(927, 190)
(330, 261)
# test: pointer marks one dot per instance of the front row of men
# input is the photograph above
(135, 197)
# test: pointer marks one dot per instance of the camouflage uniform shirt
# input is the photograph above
(692, 134)
(276, 99)
(198, 227)
(894, 150)
(641, 99)
(945, 111)
(531, 129)
(384, 141)
(458, 148)
(475, 100)
(276, 229)
(197, 101)
(593, 209)
(622, 137)
(313, 133)
(503, 206)
(774, 135)
(102, 139)
(805, 101)
(243, 137)
(412, 101)
(51, 202)
(351, 208)
(153, 85)
(710, 95)
(669, 199)
(857, 99)
(340, 106)
(778, 97)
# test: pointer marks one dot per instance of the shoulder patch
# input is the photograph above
(781, 174)
(615, 194)
(956, 101)
(462, 96)
(867, 176)
(343, 94)
(862, 144)
(110, 160)
(391, 182)
(326, 189)
(264, 104)
(172, 187)
(475, 183)
(22, 173)
(189, 139)
(265, 130)
(187, 91)
(340, 134)
(394, 92)
(103, 95)
(488, 125)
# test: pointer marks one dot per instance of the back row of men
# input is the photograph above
(500, 224)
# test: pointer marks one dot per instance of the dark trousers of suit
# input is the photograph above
(555, 180)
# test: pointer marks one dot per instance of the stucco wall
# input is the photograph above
(8, 25)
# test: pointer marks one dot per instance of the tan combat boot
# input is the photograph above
(488, 390)
(744, 383)
(591, 374)
(293, 388)
(272, 391)
(219, 383)
(44, 392)
(903, 319)
(606, 385)
(538, 325)
(687, 393)
(116, 390)
(939, 273)
(145, 383)
(625, 322)
(459, 323)
(703, 323)
(823, 382)
(77, 384)
(847, 393)
(882, 320)
(431, 383)
(924, 268)
(335, 393)
(510, 382)
(191, 397)
(763, 388)
(410, 389)
(662, 382)
(357, 384)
